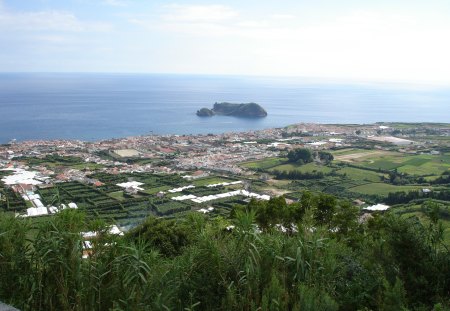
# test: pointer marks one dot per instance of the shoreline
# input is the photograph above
(381, 124)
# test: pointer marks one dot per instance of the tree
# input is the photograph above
(345, 219)
(271, 213)
(307, 200)
(394, 296)
(300, 154)
(325, 157)
(169, 237)
(326, 204)
(294, 213)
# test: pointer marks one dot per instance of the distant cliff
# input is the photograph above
(249, 110)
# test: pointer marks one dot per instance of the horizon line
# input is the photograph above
(292, 77)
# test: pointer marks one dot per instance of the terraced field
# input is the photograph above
(121, 207)
(82, 194)
(11, 201)
(111, 202)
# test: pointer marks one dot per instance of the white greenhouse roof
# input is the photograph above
(377, 207)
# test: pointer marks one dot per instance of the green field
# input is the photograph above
(381, 188)
(118, 195)
(357, 173)
(306, 168)
(426, 165)
(421, 164)
(360, 174)
(349, 151)
(264, 163)
(155, 190)
(413, 165)
(211, 180)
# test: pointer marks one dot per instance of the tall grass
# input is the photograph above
(41, 267)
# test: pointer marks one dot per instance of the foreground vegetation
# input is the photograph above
(310, 255)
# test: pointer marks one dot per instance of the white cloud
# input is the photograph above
(282, 16)
(200, 20)
(48, 21)
(356, 45)
(253, 24)
(213, 20)
(219, 39)
(52, 39)
(199, 13)
(118, 3)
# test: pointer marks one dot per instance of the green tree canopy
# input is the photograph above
(325, 157)
(302, 155)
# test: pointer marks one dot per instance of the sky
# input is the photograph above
(383, 40)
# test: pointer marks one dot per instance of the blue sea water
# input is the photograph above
(100, 106)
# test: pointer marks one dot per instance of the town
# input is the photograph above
(128, 179)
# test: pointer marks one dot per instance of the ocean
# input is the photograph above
(101, 106)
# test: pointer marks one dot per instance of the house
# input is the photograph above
(98, 183)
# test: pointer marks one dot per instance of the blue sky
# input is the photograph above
(347, 39)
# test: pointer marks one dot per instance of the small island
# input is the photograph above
(205, 112)
(249, 110)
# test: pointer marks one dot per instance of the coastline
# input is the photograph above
(329, 128)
